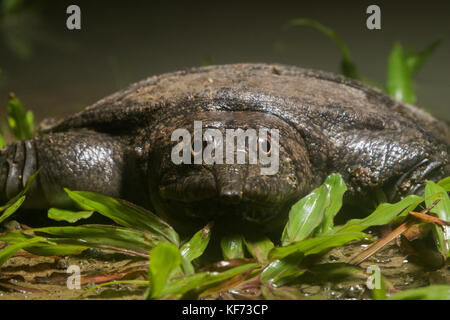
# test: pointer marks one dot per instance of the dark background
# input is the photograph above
(55, 71)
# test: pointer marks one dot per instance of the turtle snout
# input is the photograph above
(230, 181)
(230, 194)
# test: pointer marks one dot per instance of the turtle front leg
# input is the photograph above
(79, 160)
(398, 163)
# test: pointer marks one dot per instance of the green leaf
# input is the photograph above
(380, 293)
(335, 270)
(16, 237)
(9, 251)
(282, 271)
(20, 122)
(336, 189)
(445, 183)
(21, 193)
(67, 215)
(103, 236)
(316, 245)
(164, 259)
(399, 80)
(306, 215)
(259, 246)
(348, 66)
(2, 142)
(187, 266)
(45, 247)
(384, 214)
(125, 214)
(202, 281)
(13, 208)
(436, 292)
(195, 247)
(415, 61)
(232, 246)
(442, 209)
(59, 248)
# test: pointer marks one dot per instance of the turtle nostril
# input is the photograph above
(230, 196)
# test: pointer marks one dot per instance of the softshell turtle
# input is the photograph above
(121, 146)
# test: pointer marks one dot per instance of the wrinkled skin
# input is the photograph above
(121, 145)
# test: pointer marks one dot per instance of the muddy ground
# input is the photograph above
(26, 276)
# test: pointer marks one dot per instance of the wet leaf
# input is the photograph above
(436, 292)
(442, 209)
(43, 246)
(306, 215)
(20, 121)
(164, 259)
(384, 214)
(67, 215)
(103, 236)
(58, 247)
(10, 250)
(195, 247)
(429, 218)
(336, 189)
(335, 270)
(13, 208)
(224, 265)
(348, 66)
(316, 245)
(445, 183)
(202, 281)
(16, 237)
(125, 214)
(259, 246)
(187, 266)
(225, 285)
(399, 80)
(232, 246)
(282, 271)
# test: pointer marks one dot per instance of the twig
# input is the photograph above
(369, 251)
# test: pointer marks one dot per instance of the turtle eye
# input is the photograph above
(265, 146)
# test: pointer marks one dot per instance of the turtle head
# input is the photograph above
(247, 165)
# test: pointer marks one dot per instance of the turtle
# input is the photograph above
(122, 146)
